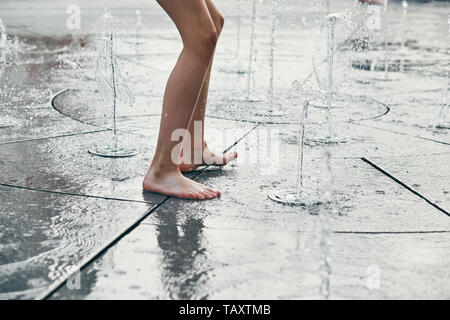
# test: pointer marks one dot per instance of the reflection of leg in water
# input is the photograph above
(184, 268)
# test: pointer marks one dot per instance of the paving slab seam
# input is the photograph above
(401, 133)
(238, 140)
(390, 232)
(53, 137)
(93, 257)
(68, 116)
(404, 185)
(309, 231)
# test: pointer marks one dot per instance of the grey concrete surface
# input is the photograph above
(62, 209)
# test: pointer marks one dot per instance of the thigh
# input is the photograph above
(191, 17)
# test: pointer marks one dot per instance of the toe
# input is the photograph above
(211, 190)
(206, 194)
(192, 195)
(211, 195)
(229, 157)
(200, 196)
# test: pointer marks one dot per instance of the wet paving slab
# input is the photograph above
(26, 124)
(245, 245)
(51, 234)
(428, 180)
(295, 276)
(183, 256)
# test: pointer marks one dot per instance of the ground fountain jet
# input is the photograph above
(443, 122)
(3, 47)
(331, 49)
(111, 84)
(299, 196)
(329, 72)
(106, 19)
(273, 110)
(238, 31)
(386, 31)
(403, 22)
(236, 67)
(4, 53)
(252, 44)
(139, 26)
(322, 227)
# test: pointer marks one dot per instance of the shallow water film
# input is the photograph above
(339, 112)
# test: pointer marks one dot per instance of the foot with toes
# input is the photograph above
(173, 183)
(208, 157)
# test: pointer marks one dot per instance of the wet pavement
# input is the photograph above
(382, 229)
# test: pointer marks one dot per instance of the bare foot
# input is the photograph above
(209, 158)
(175, 184)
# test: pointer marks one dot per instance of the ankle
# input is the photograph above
(159, 170)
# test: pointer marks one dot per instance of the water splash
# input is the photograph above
(272, 52)
(4, 48)
(403, 31)
(330, 59)
(301, 149)
(237, 67)
(443, 123)
(252, 44)
(238, 31)
(386, 32)
(323, 225)
(139, 25)
(299, 196)
(331, 64)
(4, 53)
(252, 49)
(106, 20)
(325, 271)
(342, 27)
(112, 89)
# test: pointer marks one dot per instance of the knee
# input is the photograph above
(204, 44)
(219, 24)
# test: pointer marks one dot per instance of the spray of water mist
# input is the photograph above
(402, 30)
(330, 59)
(272, 55)
(139, 26)
(4, 52)
(386, 33)
(301, 147)
(4, 48)
(113, 86)
(252, 44)
(331, 65)
(299, 195)
(443, 123)
(322, 226)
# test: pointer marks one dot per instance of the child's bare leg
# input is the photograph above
(199, 35)
(201, 150)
